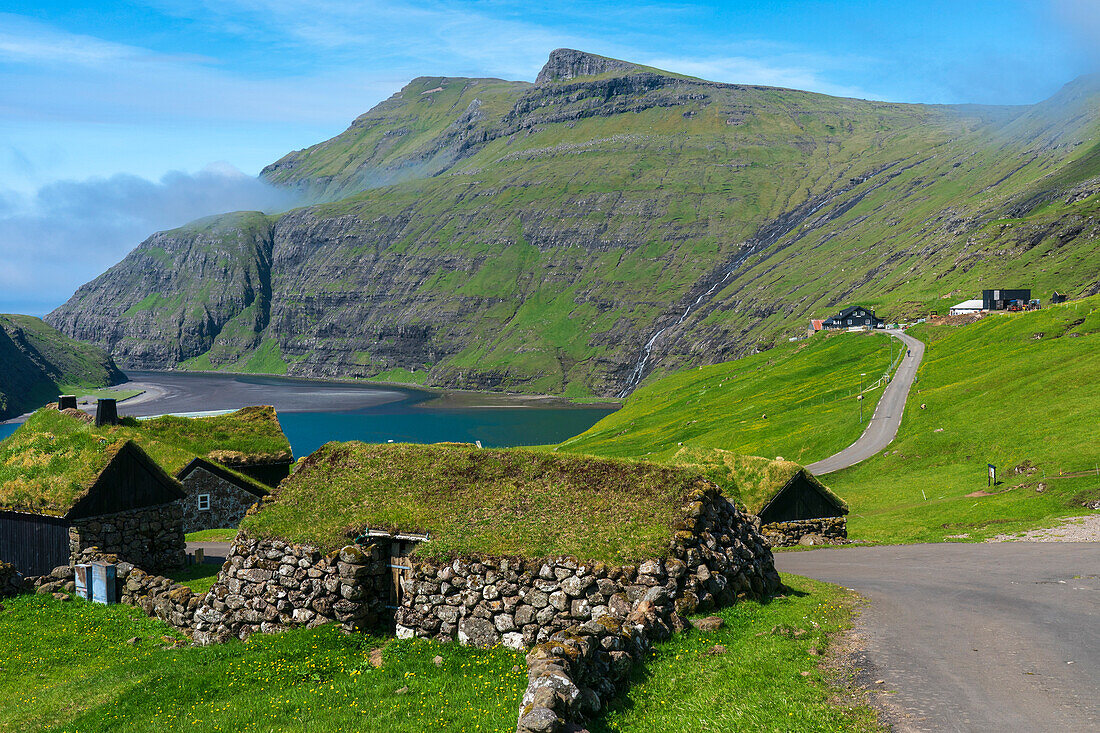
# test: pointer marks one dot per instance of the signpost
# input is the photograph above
(992, 474)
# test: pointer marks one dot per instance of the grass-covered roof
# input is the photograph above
(751, 481)
(54, 458)
(492, 502)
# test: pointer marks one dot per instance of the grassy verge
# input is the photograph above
(69, 666)
(211, 535)
(119, 394)
(197, 577)
(767, 679)
(796, 400)
(1016, 390)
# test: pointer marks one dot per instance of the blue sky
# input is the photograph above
(119, 118)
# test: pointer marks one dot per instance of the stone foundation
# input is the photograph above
(150, 538)
(829, 530)
(270, 586)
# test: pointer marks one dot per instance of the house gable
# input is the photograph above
(130, 481)
(801, 498)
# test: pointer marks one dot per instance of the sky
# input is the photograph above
(118, 119)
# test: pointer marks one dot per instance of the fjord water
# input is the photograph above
(314, 412)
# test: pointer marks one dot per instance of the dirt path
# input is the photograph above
(975, 637)
(884, 423)
(1075, 529)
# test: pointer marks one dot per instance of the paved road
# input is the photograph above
(884, 423)
(968, 637)
(213, 552)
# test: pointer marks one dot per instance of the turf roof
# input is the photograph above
(751, 481)
(54, 458)
(491, 502)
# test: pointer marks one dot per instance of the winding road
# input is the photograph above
(969, 637)
(884, 423)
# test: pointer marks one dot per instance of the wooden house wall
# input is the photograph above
(33, 543)
(799, 501)
(129, 482)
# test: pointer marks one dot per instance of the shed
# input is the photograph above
(999, 300)
(64, 488)
(789, 500)
(966, 307)
(855, 316)
(1057, 298)
(216, 496)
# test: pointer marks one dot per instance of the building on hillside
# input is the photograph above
(816, 325)
(217, 497)
(789, 501)
(1057, 298)
(111, 496)
(855, 316)
(967, 307)
(999, 300)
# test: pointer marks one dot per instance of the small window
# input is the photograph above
(204, 502)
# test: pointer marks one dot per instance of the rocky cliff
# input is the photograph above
(36, 360)
(606, 223)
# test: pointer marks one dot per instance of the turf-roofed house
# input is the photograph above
(792, 504)
(65, 487)
(584, 559)
(224, 462)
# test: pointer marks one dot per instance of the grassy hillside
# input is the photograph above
(1014, 390)
(796, 401)
(536, 237)
(506, 503)
(38, 361)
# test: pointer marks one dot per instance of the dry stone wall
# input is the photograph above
(150, 538)
(829, 530)
(269, 586)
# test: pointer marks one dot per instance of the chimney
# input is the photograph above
(106, 412)
(66, 402)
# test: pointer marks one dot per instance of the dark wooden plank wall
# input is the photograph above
(800, 500)
(127, 483)
(34, 544)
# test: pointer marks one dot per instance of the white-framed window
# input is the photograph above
(204, 502)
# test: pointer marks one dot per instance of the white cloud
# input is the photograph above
(70, 231)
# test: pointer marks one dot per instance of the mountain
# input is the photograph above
(37, 361)
(608, 222)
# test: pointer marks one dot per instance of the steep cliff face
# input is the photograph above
(609, 222)
(203, 288)
(35, 360)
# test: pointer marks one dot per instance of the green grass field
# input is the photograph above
(796, 400)
(765, 681)
(212, 535)
(69, 666)
(1011, 389)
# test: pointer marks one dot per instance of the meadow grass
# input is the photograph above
(767, 679)
(1012, 390)
(69, 666)
(212, 535)
(796, 400)
(77, 672)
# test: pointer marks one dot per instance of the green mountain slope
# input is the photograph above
(1017, 390)
(604, 224)
(796, 401)
(35, 360)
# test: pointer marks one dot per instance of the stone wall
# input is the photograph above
(716, 557)
(150, 538)
(11, 582)
(269, 586)
(228, 502)
(829, 530)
